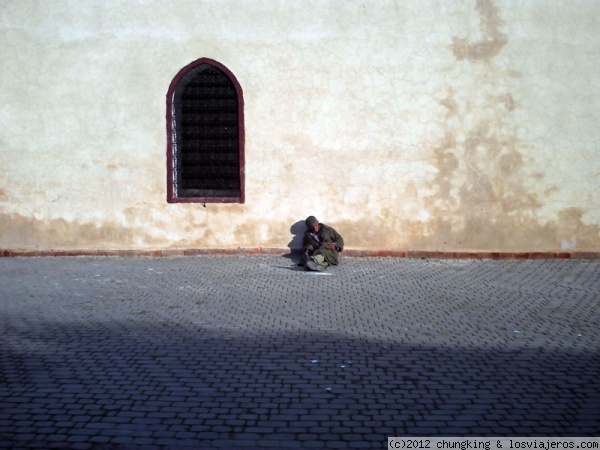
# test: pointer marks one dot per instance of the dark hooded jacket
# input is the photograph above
(316, 243)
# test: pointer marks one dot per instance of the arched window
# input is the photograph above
(205, 135)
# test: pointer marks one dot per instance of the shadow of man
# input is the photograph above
(295, 245)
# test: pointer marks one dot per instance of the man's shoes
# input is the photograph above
(312, 265)
(304, 259)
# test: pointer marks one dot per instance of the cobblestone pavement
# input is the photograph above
(253, 352)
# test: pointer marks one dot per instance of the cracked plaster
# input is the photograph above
(435, 125)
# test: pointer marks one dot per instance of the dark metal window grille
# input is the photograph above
(206, 136)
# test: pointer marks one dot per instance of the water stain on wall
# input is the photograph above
(493, 40)
(484, 193)
(27, 232)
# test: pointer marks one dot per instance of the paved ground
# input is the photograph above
(252, 352)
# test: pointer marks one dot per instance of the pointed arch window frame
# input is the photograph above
(172, 194)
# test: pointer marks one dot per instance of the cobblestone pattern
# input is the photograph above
(253, 352)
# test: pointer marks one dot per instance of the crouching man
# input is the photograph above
(321, 245)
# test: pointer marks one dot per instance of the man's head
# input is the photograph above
(312, 223)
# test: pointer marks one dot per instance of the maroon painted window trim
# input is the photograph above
(175, 194)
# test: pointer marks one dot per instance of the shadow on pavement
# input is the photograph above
(158, 383)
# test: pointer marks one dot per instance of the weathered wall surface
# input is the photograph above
(429, 125)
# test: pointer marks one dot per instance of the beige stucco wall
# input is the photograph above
(426, 125)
